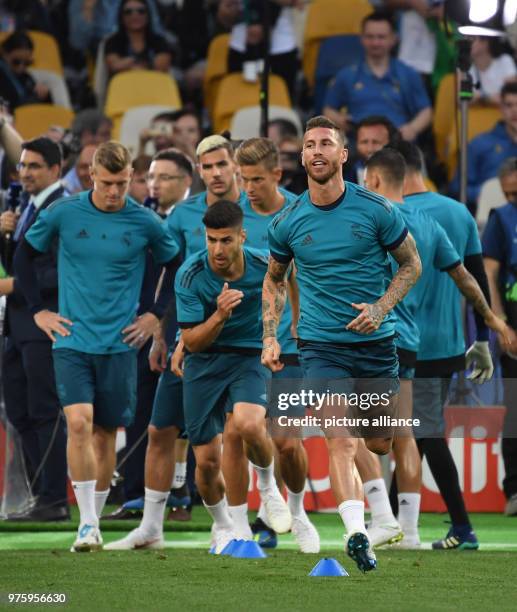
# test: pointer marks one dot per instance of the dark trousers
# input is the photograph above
(33, 408)
(509, 442)
(136, 434)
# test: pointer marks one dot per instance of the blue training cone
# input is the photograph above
(231, 547)
(328, 567)
(248, 549)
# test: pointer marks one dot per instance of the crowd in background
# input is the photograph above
(388, 91)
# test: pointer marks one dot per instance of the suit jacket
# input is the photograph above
(19, 322)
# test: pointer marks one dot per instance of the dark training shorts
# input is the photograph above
(210, 381)
(107, 381)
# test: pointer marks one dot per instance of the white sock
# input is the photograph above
(239, 515)
(154, 510)
(100, 500)
(265, 476)
(180, 475)
(84, 491)
(352, 515)
(295, 503)
(409, 511)
(220, 513)
(379, 502)
(262, 514)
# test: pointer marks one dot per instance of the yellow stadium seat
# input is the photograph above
(216, 68)
(33, 120)
(481, 119)
(430, 184)
(329, 18)
(139, 88)
(46, 51)
(235, 93)
(443, 116)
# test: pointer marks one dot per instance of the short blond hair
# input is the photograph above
(257, 151)
(214, 143)
(113, 156)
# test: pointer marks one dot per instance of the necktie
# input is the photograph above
(25, 221)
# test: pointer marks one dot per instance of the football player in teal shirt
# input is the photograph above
(104, 237)
(258, 159)
(217, 168)
(442, 348)
(385, 175)
(339, 236)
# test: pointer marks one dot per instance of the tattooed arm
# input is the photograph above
(406, 276)
(294, 299)
(274, 291)
(470, 288)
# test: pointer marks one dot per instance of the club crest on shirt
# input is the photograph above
(126, 238)
(356, 231)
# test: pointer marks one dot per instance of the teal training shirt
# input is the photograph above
(341, 257)
(101, 261)
(197, 287)
(436, 253)
(256, 226)
(439, 315)
(186, 224)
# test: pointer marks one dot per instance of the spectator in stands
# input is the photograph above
(424, 44)
(10, 140)
(500, 257)
(78, 178)
(159, 133)
(138, 189)
(186, 132)
(373, 133)
(278, 129)
(487, 151)
(223, 15)
(188, 22)
(24, 15)
(89, 21)
(294, 177)
(91, 126)
(135, 45)
(380, 84)
(17, 86)
(247, 40)
(491, 68)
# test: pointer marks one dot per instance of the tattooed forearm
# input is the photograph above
(410, 268)
(274, 291)
(470, 288)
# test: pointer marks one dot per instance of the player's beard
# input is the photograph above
(322, 179)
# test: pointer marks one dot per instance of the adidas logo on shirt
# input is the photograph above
(404, 502)
(83, 234)
(307, 240)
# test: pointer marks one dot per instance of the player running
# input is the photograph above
(258, 159)
(385, 174)
(442, 345)
(339, 235)
(217, 295)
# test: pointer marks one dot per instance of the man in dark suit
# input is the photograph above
(31, 400)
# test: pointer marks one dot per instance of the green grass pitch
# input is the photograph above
(35, 559)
